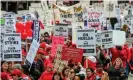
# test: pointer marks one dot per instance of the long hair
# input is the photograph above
(121, 65)
(63, 71)
(57, 73)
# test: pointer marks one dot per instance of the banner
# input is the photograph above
(32, 53)
(74, 54)
(86, 40)
(61, 30)
(55, 42)
(36, 30)
(10, 21)
(12, 47)
(94, 19)
(107, 39)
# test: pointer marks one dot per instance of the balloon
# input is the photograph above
(19, 30)
(29, 32)
(28, 24)
(19, 25)
(24, 35)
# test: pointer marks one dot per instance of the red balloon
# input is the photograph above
(19, 30)
(24, 35)
(28, 24)
(29, 32)
(19, 25)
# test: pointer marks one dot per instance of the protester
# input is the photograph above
(116, 71)
(48, 74)
(72, 74)
(100, 73)
(57, 76)
(38, 65)
(16, 74)
(66, 73)
(4, 76)
(90, 74)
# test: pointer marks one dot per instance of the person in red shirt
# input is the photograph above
(5, 68)
(65, 73)
(4, 76)
(16, 74)
(90, 74)
(100, 73)
(44, 56)
(48, 74)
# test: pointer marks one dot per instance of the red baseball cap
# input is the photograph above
(43, 45)
(42, 52)
(16, 72)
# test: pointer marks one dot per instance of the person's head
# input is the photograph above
(46, 35)
(99, 67)
(118, 62)
(17, 66)
(72, 73)
(50, 67)
(76, 77)
(57, 76)
(16, 73)
(66, 71)
(42, 54)
(4, 66)
(89, 71)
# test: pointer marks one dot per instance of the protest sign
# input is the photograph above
(107, 41)
(66, 17)
(129, 42)
(32, 53)
(117, 26)
(98, 39)
(12, 47)
(94, 19)
(85, 39)
(109, 8)
(74, 54)
(36, 30)
(78, 12)
(61, 30)
(58, 63)
(1, 37)
(113, 37)
(55, 41)
(10, 21)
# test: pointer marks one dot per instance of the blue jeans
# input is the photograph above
(127, 69)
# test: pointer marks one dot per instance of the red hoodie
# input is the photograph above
(46, 76)
(92, 77)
